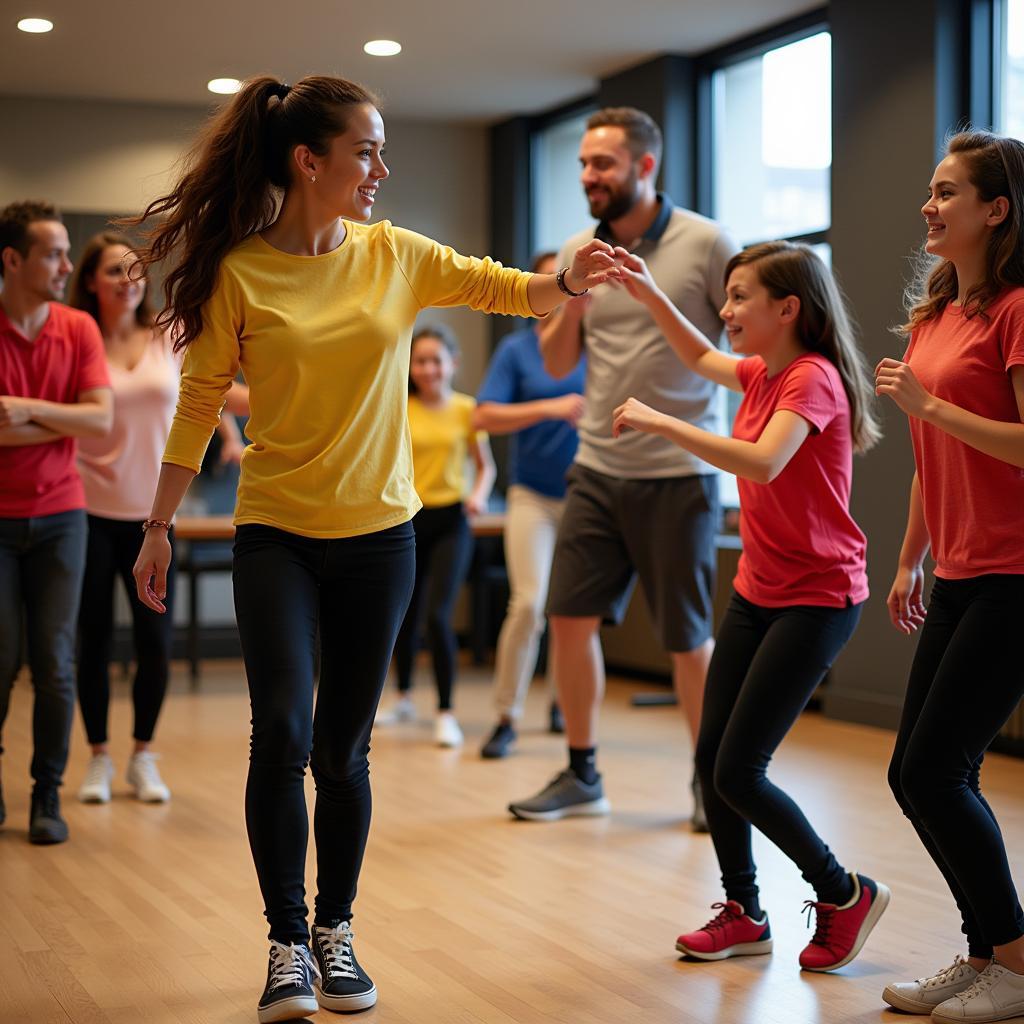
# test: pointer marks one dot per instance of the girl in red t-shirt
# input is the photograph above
(961, 383)
(801, 581)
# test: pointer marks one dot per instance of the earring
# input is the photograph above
(312, 178)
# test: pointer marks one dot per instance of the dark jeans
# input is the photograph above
(292, 592)
(41, 564)
(444, 549)
(965, 681)
(767, 664)
(111, 552)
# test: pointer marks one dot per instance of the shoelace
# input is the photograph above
(725, 917)
(97, 772)
(947, 974)
(336, 944)
(289, 965)
(825, 912)
(983, 981)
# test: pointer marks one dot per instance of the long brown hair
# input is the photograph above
(232, 180)
(85, 272)
(995, 167)
(824, 325)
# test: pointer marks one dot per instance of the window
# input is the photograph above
(771, 125)
(559, 205)
(1009, 87)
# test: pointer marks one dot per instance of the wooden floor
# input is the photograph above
(152, 914)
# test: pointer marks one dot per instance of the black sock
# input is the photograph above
(840, 895)
(751, 906)
(583, 761)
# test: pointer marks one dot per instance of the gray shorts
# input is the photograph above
(663, 530)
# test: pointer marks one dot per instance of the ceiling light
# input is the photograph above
(224, 86)
(382, 48)
(35, 25)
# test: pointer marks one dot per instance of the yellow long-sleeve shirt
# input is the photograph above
(323, 343)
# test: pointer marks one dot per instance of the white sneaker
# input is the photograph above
(923, 995)
(144, 777)
(96, 787)
(446, 730)
(996, 994)
(403, 710)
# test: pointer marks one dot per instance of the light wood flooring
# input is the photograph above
(152, 913)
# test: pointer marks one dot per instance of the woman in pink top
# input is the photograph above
(115, 470)
(801, 581)
(961, 383)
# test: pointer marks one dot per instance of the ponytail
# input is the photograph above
(231, 183)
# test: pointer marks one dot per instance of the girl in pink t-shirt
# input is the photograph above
(801, 582)
(115, 470)
(961, 383)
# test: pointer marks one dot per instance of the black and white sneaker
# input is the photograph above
(343, 986)
(289, 990)
(565, 796)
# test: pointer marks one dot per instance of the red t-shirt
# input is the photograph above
(800, 544)
(973, 503)
(66, 359)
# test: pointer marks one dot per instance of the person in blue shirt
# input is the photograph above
(520, 398)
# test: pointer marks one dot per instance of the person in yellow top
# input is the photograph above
(274, 270)
(443, 439)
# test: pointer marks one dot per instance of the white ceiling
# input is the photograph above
(474, 60)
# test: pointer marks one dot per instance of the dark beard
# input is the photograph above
(619, 202)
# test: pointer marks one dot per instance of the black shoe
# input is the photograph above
(289, 990)
(501, 743)
(343, 986)
(556, 723)
(699, 821)
(46, 826)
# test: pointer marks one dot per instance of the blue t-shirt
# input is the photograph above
(539, 456)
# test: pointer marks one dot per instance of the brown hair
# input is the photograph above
(15, 220)
(995, 167)
(538, 260)
(82, 298)
(231, 183)
(642, 132)
(824, 325)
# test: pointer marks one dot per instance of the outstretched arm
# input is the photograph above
(761, 460)
(692, 347)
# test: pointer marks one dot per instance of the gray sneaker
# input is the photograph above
(565, 796)
(923, 995)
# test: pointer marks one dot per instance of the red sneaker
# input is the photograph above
(731, 933)
(842, 931)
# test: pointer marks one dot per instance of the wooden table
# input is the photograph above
(198, 531)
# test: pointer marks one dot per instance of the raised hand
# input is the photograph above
(634, 415)
(896, 379)
(568, 408)
(592, 264)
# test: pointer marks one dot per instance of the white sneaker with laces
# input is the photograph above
(403, 710)
(446, 730)
(95, 789)
(996, 994)
(144, 778)
(923, 995)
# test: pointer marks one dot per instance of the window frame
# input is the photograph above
(747, 48)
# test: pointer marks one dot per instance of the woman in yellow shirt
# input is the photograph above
(443, 438)
(275, 271)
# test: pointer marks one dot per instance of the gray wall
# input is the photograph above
(893, 100)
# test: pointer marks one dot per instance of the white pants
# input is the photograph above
(530, 527)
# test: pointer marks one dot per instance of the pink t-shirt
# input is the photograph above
(120, 470)
(800, 544)
(65, 359)
(973, 503)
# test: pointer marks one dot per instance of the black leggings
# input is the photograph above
(111, 550)
(965, 682)
(444, 549)
(352, 594)
(767, 664)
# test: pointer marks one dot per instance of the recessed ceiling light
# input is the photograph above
(382, 48)
(224, 86)
(35, 25)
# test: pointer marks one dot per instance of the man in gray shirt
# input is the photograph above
(637, 505)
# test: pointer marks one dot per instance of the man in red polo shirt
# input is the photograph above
(54, 387)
